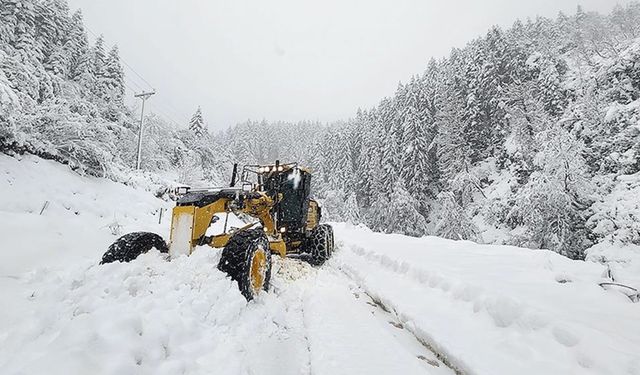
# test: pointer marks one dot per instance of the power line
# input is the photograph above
(136, 73)
(124, 62)
(171, 109)
(166, 117)
(140, 88)
(131, 88)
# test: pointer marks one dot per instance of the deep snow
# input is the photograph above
(376, 307)
(497, 309)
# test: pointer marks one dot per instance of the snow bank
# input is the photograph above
(497, 309)
(63, 211)
(51, 217)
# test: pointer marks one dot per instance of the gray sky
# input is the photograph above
(291, 59)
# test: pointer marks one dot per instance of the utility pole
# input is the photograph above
(144, 96)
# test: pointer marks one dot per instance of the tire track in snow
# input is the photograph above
(289, 283)
(394, 316)
(344, 332)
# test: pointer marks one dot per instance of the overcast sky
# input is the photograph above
(291, 59)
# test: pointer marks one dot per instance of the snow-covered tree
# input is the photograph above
(552, 204)
(196, 124)
(333, 205)
(351, 211)
(453, 222)
(526, 115)
(112, 80)
(189, 169)
(403, 213)
(77, 48)
(418, 167)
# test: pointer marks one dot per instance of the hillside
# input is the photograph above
(528, 135)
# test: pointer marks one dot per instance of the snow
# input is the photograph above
(8, 97)
(295, 177)
(497, 309)
(65, 314)
(615, 221)
(181, 241)
(384, 304)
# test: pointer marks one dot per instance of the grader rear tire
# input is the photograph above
(130, 246)
(332, 244)
(320, 244)
(247, 260)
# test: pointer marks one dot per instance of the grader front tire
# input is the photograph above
(247, 260)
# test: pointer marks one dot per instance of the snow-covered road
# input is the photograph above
(157, 317)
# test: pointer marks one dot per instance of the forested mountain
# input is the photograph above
(522, 130)
(528, 135)
(61, 97)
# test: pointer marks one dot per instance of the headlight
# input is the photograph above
(280, 169)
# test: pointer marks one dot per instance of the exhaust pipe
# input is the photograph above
(234, 175)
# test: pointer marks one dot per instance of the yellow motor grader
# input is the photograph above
(286, 222)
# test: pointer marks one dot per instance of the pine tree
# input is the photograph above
(553, 96)
(453, 221)
(403, 213)
(390, 155)
(8, 21)
(341, 175)
(196, 124)
(23, 18)
(351, 211)
(77, 47)
(113, 78)
(51, 19)
(417, 172)
(97, 70)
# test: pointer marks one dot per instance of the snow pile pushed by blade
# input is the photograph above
(149, 315)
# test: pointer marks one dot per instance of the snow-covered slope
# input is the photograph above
(497, 309)
(51, 217)
(49, 212)
(385, 304)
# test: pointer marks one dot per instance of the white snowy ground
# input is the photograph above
(376, 307)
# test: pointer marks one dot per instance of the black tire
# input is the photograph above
(130, 246)
(319, 244)
(332, 244)
(239, 258)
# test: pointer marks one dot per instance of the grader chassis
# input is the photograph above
(287, 223)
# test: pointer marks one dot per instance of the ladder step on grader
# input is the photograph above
(286, 222)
